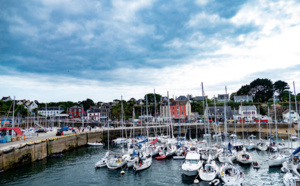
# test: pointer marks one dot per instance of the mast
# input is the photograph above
(169, 112)
(82, 116)
(296, 111)
(155, 114)
(225, 118)
(133, 116)
(13, 119)
(141, 116)
(203, 104)
(242, 124)
(290, 119)
(122, 114)
(275, 114)
(147, 115)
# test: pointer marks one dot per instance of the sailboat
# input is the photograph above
(209, 170)
(231, 175)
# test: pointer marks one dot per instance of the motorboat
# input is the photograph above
(255, 165)
(120, 141)
(294, 138)
(95, 144)
(244, 157)
(231, 175)
(251, 145)
(209, 171)
(191, 164)
(130, 159)
(276, 159)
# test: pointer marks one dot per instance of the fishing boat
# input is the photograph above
(231, 175)
(255, 165)
(209, 171)
(191, 164)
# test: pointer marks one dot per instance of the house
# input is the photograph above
(249, 113)
(164, 110)
(217, 114)
(286, 115)
(105, 111)
(243, 98)
(6, 98)
(223, 97)
(94, 114)
(75, 112)
(32, 105)
(180, 109)
(50, 111)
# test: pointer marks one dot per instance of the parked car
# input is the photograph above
(41, 131)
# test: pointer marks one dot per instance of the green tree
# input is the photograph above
(87, 103)
(280, 87)
(150, 97)
(232, 96)
(261, 89)
(244, 90)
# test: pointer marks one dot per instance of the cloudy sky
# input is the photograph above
(53, 50)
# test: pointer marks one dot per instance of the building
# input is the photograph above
(217, 114)
(243, 98)
(50, 111)
(180, 109)
(6, 98)
(181, 98)
(223, 97)
(105, 111)
(75, 112)
(294, 116)
(94, 114)
(199, 98)
(164, 110)
(32, 105)
(248, 113)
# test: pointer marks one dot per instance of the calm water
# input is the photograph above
(77, 168)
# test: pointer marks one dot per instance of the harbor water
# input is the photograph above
(76, 167)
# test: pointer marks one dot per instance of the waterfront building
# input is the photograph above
(294, 116)
(180, 109)
(75, 112)
(181, 98)
(219, 113)
(50, 111)
(164, 110)
(31, 105)
(243, 98)
(6, 98)
(223, 97)
(248, 113)
(94, 114)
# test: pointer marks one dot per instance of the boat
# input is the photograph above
(294, 138)
(103, 161)
(256, 165)
(291, 180)
(244, 157)
(142, 163)
(231, 175)
(95, 144)
(116, 162)
(130, 159)
(262, 146)
(209, 171)
(191, 164)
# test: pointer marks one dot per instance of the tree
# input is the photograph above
(261, 90)
(150, 97)
(244, 90)
(87, 103)
(232, 96)
(280, 87)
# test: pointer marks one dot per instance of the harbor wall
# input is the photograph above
(32, 151)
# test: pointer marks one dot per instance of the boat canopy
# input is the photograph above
(296, 151)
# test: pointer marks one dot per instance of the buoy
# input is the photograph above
(122, 172)
(196, 181)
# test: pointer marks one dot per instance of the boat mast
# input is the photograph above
(225, 118)
(203, 106)
(290, 119)
(147, 115)
(242, 123)
(133, 116)
(296, 112)
(275, 114)
(155, 114)
(13, 119)
(122, 114)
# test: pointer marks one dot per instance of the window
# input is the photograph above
(181, 107)
(173, 109)
(182, 112)
(253, 112)
(173, 113)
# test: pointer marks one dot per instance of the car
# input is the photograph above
(41, 131)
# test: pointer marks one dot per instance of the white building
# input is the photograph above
(94, 114)
(50, 111)
(33, 105)
(243, 98)
(247, 113)
(294, 116)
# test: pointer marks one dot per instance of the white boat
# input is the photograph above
(276, 160)
(142, 163)
(116, 162)
(130, 160)
(231, 175)
(244, 157)
(191, 164)
(209, 171)
(294, 138)
(262, 146)
(103, 161)
(95, 144)
(290, 180)
(167, 150)
(251, 145)
(119, 141)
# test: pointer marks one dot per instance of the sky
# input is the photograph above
(53, 50)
